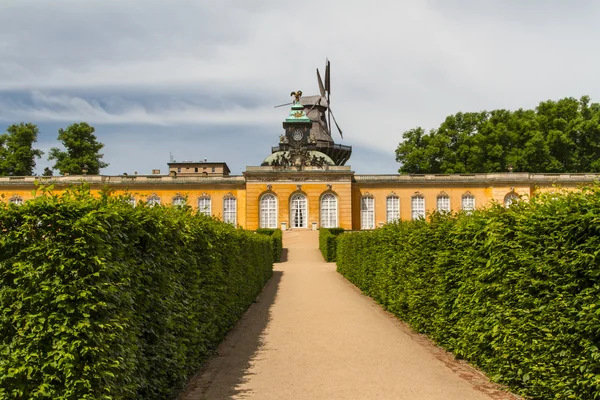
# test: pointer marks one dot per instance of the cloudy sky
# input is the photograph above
(199, 78)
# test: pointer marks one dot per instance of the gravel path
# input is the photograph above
(313, 335)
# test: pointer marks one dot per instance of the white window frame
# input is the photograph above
(510, 199)
(299, 201)
(443, 203)
(329, 211)
(16, 200)
(468, 202)
(130, 200)
(230, 210)
(205, 205)
(179, 201)
(268, 211)
(367, 212)
(153, 200)
(392, 208)
(417, 207)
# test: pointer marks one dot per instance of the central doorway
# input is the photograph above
(299, 211)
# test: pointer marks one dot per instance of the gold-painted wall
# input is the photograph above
(284, 192)
(348, 189)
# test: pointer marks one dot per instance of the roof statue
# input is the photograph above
(297, 95)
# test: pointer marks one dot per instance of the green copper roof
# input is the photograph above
(297, 114)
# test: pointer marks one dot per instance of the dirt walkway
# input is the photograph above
(313, 335)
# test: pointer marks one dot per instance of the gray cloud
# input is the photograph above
(131, 65)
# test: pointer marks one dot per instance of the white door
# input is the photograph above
(299, 211)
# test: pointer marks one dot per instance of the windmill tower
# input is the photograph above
(318, 109)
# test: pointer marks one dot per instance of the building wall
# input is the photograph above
(284, 192)
(341, 181)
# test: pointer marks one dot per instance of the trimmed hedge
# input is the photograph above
(515, 291)
(327, 242)
(277, 238)
(101, 300)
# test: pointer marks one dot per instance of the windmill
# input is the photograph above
(318, 109)
(322, 101)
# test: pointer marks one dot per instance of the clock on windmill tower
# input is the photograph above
(297, 125)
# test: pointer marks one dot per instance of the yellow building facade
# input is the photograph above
(311, 197)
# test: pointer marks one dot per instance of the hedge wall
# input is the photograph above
(277, 239)
(101, 300)
(327, 242)
(515, 291)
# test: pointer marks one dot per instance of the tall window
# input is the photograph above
(392, 206)
(179, 201)
(153, 200)
(229, 210)
(443, 203)
(299, 211)
(418, 207)
(268, 211)
(510, 199)
(16, 200)
(204, 205)
(367, 212)
(468, 202)
(329, 211)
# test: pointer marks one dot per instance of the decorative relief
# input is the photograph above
(229, 196)
(269, 187)
(443, 194)
(299, 187)
(204, 194)
(329, 186)
(418, 194)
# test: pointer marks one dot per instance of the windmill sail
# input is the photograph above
(328, 77)
(321, 87)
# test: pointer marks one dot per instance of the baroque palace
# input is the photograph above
(305, 184)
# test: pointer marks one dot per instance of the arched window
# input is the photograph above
(299, 211)
(468, 202)
(205, 205)
(392, 208)
(153, 200)
(510, 199)
(230, 210)
(130, 200)
(268, 211)
(443, 203)
(417, 205)
(179, 200)
(367, 212)
(16, 200)
(329, 211)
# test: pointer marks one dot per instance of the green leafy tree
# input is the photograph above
(17, 155)
(47, 172)
(557, 136)
(81, 150)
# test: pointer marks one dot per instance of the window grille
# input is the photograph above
(392, 208)
(329, 211)
(443, 203)
(367, 212)
(418, 207)
(468, 202)
(229, 210)
(205, 205)
(153, 200)
(268, 211)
